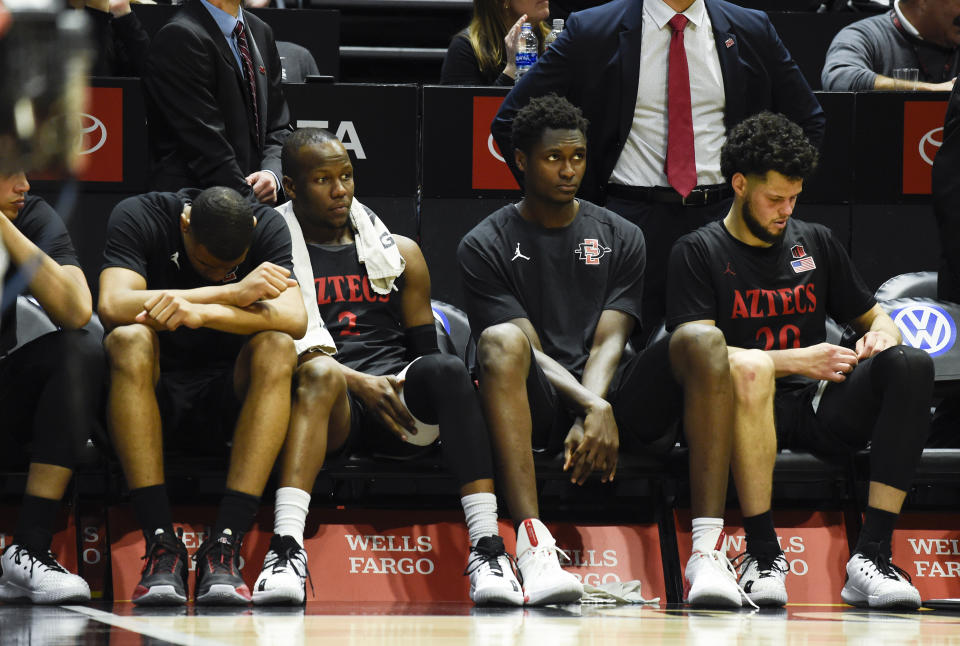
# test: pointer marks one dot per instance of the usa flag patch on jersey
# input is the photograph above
(803, 264)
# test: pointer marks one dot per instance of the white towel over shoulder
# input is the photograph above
(317, 335)
(376, 248)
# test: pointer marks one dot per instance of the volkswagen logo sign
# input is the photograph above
(93, 133)
(930, 143)
(926, 327)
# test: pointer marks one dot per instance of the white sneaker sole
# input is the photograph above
(279, 597)
(855, 597)
(567, 593)
(161, 595)
(496, 596)
(222, 594)
(776, 598)
(13, 592)
(714, 599)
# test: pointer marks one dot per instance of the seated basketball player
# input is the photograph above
(553, 288)
(768, 282)
(50, 388)
(373, 289)
(199, 303)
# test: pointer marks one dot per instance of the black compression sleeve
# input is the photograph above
(421, 340)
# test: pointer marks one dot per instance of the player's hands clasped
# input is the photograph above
(263, 283)
(829, 362)
(381, 395)
(592, 444)
(874, 342)
(167, 311)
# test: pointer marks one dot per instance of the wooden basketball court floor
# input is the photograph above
(360, 624)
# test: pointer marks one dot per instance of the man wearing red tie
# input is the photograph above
(661, 82)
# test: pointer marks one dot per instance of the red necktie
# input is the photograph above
(244, 48)
(681, 164)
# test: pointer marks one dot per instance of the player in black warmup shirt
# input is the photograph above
(553, 287)
(195, 287)
(50, 388)
(769, 282)
(391, 379)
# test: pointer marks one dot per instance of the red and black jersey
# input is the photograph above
(769, 298)
(367, 326)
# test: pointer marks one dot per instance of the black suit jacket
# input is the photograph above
(595, 63)
(198, 104)
(946, 201)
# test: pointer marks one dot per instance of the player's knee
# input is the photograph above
(699, 347)
(131, 347)
(320, 379)
(502, 347)
(446, 368)
(272, 354)
(753, 375)
(905, 369)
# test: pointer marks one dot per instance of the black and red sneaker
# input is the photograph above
(218, 572)
(163, 581)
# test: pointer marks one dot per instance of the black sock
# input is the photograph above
(236, 512)
(877, 528)
(35, 523)
(152, 508)
(761, 535)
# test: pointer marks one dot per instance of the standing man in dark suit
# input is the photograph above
(708, 64)
(216, 112)
(946, 202)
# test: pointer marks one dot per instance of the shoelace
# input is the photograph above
(886, 568)
(765, 566)
(723, 563)
(491, 558)
(284, 558)
(166, 553)
(222, 547)
(47, 559)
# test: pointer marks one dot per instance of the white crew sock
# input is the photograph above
(481, 512)
(706, 533)
(290, 512)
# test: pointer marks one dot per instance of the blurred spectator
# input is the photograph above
(919, 34)
(485, 52)
(121, 41)
(297, 62)
(215, 109)
(946, 202)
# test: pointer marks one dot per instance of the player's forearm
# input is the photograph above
(789, 362)
(259, 317)
(600, 368)
(886, 324)
(572, 391)
(62, 292)
(121, 307)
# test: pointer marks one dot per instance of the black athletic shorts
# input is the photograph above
(199, 410)
(799, 429)
(647, 403)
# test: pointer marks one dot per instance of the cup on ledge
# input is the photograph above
(907, 78)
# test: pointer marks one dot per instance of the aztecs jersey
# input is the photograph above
(560, 279)
(366, 326)
(768, 298)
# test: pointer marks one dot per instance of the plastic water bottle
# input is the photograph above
(526, 50)
(555, 32)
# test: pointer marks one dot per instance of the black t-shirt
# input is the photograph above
(367, 326)
(143, 235)
(461, 67)
(560, 279)
(40, 224)
(768, 298)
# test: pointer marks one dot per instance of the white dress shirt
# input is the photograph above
(644, 154)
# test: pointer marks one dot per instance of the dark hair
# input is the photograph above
(766, 142)
(542, 113)
(222, 221)
(290, 153)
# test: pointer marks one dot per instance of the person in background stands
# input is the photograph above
(919, 34)
(485, 52)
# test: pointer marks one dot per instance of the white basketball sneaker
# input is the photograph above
(874, 582)
(283, 579)
(711, 581)
(491, 574)
(38, 578)
(544, 581)
(764, 579)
